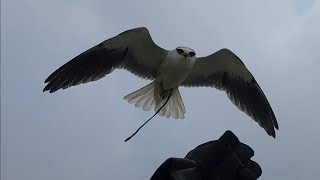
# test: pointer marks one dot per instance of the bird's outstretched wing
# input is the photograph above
(133, 50)
(225, 71)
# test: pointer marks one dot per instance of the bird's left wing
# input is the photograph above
(225, 71)
(133, 50)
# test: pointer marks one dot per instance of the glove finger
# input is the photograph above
(186, 174)
(251, 171)
(244, 152)
(171, 165)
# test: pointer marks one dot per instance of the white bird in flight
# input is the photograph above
(135, 51)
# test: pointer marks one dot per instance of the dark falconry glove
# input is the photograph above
(224, 159)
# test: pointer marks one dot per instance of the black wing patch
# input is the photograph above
(248, 97)
(88, 66)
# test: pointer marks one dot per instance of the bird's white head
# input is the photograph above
(185, 52)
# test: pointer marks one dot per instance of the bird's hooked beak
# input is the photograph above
(185, 55)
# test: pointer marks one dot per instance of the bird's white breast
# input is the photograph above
(174, 70)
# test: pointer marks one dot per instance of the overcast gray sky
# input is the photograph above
(78, 133)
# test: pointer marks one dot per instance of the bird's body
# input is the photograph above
(135, 51)
(172, 72)
(175, 68)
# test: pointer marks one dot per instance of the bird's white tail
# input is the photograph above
(149, 96)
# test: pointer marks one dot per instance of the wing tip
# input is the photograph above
(47, 80)
(275, 123)
(272, 129)
(50, 88)
(272, 133)
(45, 88)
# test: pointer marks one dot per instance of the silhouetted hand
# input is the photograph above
(224, 159)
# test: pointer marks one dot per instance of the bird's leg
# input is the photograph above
(165, 93)
(162, 92)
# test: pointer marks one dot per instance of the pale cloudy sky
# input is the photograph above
(78, 133)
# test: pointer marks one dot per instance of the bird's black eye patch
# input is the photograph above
(191, 54)
(180, 51)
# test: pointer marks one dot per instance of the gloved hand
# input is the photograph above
(224, 159)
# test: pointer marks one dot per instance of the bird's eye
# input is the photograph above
(191, 54)
(180, 51)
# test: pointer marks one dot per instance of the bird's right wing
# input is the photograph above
(133, 50)
(225, 71)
